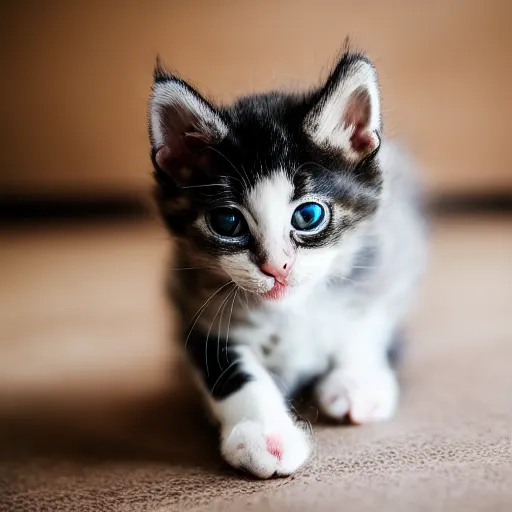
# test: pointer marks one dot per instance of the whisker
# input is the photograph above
(206, 185)
(202, 308)
(230, 163)
(245, 173)
(208, 334)
(229, 323)
(234, 178)
(221, 199)
(220, 327)
(310, 163)
(292, 407)
(231, 376)
(222, 374)
(308, 423)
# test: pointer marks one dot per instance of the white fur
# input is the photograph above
(255, 415)
(314, 331)
(270, 205)
(365, 394)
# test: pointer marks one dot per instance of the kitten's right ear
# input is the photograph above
(346, 115)
(181, 125)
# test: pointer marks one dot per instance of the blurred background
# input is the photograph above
(82, 319)
(76, 77)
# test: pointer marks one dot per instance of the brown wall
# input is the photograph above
(76, 75)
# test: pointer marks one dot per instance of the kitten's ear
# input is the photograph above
(346, 113)
(181, 125)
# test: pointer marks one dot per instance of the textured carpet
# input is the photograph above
(96, 415)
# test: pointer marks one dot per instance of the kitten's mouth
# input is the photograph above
(278, 291)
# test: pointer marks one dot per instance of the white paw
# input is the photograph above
(362, 395)
(265, 451)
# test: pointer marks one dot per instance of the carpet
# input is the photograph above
(96, 413)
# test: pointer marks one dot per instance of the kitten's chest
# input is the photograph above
(296, 344)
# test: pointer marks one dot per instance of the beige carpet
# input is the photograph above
(95, 415)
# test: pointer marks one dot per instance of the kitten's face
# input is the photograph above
(275, 240)
(271, 189)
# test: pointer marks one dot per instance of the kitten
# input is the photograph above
(300, 242)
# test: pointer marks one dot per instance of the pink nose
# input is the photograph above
(279, 272)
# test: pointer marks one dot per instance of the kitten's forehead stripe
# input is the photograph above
(269, 203)
(270, 197)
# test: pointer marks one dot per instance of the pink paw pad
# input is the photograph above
(275, 446)
(364, 418)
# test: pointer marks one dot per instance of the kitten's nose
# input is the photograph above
(279, 272)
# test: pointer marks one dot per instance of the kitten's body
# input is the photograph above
(297, 337)
(339, 294)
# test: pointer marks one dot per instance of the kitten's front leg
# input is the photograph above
(364, 394)
(257, 432)
(362, 385)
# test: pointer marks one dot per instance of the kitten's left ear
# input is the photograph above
(181, 125)
(346, 114)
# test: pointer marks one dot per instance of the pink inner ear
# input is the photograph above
(363, 141)
(357, 116)
(162, 158)
(182, 151)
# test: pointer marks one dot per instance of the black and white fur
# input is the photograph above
(350, 283)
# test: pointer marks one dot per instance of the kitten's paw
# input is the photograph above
(264, 452)
(363, 395)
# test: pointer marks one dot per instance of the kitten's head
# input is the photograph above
(271, 188)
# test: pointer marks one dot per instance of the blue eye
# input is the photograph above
(228, 222)
(308, 216)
